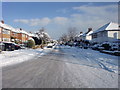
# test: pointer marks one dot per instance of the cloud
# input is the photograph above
(60, 20)
(94, 16)
(22, 21)
(42, 22)
(34, 22)
(107, 11)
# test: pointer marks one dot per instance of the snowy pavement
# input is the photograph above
(64, 67)
(91, 58)
(18, 56)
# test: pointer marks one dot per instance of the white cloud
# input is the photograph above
(42, 22)
(60, 20)
(34, 22)
(95, 16)
(107, 11)
(22, 21)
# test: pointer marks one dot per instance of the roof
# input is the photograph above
(5, 26)
(31, 34)
(108, 26)
(17, 30)
(88, 33)
(79, 35)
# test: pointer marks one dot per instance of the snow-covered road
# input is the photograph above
(64, 67)
(91, 58)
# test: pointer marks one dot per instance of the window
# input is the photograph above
(6, 39)
(23, 35)
(115, 35)
(94, 35)
(5, 31)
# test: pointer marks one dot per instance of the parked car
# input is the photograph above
(115, 46)
(106, 46)
(2, 46)
(17, 46)
(22, 46)
(49, 46)
(9, 46)
(85, 46)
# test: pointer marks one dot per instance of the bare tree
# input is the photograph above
(72, 31)
(64, 38)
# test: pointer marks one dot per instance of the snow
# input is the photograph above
(89, 33)
(85, 57)
(19, 56)
(89, 67)
(91, 58)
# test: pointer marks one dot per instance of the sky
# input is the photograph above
(57, 17)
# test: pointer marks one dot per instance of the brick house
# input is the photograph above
(10, 34)
(22, 35)
(5, 32)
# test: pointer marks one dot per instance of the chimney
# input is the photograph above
(21, 29)
(89, 29)
(2, 21)
(81, 32)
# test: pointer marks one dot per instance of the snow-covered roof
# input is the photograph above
(5, 26)
(108, 26)
(87, 33)
(79, 35)
(47, 34)
(21, 31)
(17, 30)
(31, 34)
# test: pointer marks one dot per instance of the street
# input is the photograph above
(64, 68)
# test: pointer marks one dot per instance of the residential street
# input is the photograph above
(64, 67)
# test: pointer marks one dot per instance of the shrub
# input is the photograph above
(31, 43)
(106, 46)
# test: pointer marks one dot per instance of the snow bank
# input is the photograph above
(19, 56)
(91, 58)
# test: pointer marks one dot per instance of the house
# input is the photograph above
(5, 32)
(87, 35)
(0, 32)
(10, 34)
(79, 37)
(108, 33)
(22, 36)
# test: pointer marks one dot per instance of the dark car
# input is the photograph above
(9, 46)
(49, 46)
(17, 46)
